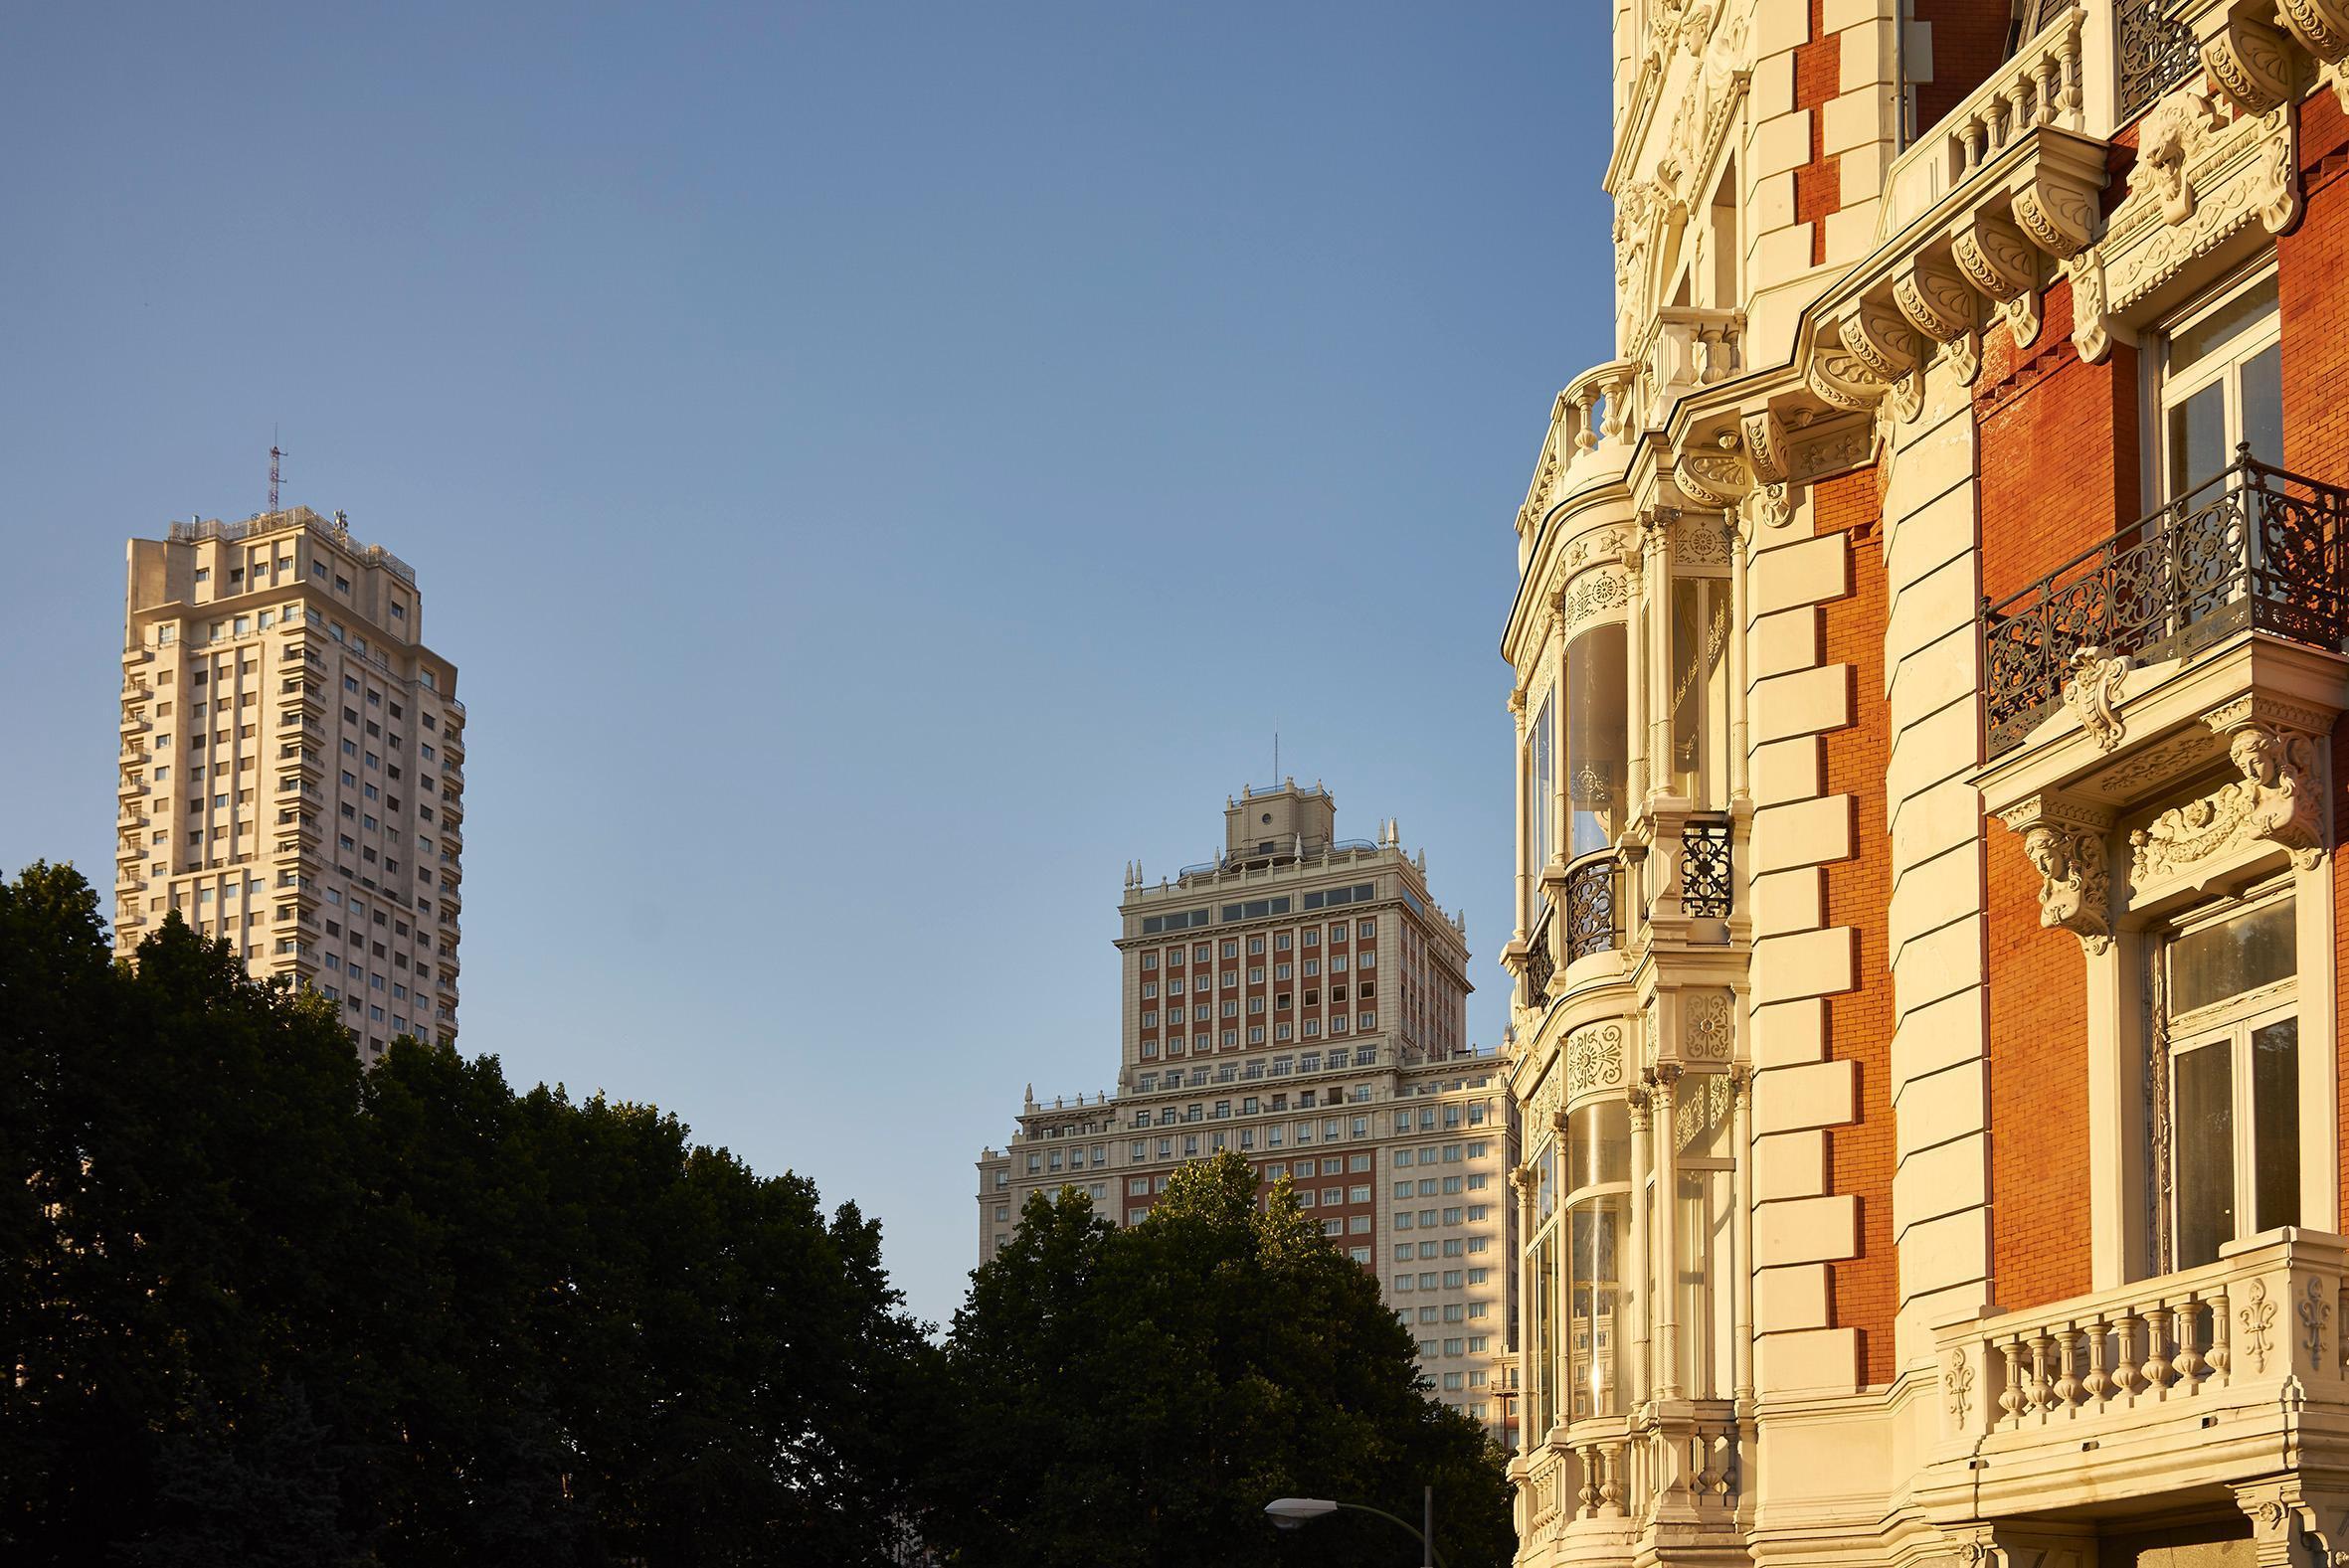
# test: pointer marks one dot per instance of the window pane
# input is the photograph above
(2275, 1118)
(1597, 742)
(2263, 404)
(2198, 439)
(2216, 330)
(1700, 635)
(1599, 1143)
(2231, 956)
(1594, 1298)
(2204, 1173)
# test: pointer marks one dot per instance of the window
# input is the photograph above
(2221, 383)
(2230, 1059)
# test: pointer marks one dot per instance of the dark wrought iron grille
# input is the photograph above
(2256, 547)
(1589, 908)
(2156, 54)
(1705, 870)
(1539, 966)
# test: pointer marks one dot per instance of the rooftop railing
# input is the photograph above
(2255, 548)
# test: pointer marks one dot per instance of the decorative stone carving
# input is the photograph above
(2257, 1315)
(2170, 136)
(1594, 1058)
(1719, 477)
(2065, 840)
(1958, 1383)
(2074, 884)
(1764, 435)
(1708, 1024)
(2057, 209)
(2250, 63)
(1592, 594)
(2320, 26)
(1934, 296)
(1831, 451)
(1701, 540)
(2276, 799)
(2092, 693)
(2209, 177)
(1841, 379)
(1880, 338)
(1999, 263)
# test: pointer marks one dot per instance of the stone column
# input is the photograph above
(1661, 1084)
(1633, 1262)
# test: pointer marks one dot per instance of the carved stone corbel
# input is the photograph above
(2251, 63)
(1719, 476)
(2286, 1512)
(1841, 379)
(1770, 501)
(1981, 1545)
(2057, 209)
(1934, 298)
(1880, 338)
(2321, 27)
(2001, 264)
(2066, 842)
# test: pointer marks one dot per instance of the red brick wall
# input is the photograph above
(1863, 1292)
(2312, 291)
(2039, 1064)
(1970, 40)
(1818, 77)
(2059, 448)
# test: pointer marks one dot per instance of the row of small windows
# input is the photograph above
(1205, 951)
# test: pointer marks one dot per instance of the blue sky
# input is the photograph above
(878, 468)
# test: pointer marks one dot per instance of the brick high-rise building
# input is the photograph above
(1302, 999)
(291, 772)
(1929, 668)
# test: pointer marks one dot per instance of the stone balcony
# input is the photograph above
(1664, 1479)
(2201, 1387)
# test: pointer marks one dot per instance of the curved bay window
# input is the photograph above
(1598, 765)
(2226, 1080)
(1540, 769)
(1697, 769)
(1597, 1179)
(1702, 1225)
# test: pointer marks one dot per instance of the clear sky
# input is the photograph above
(878, 468)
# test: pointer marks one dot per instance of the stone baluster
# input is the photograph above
(2157, 1361)
(2097, 1384)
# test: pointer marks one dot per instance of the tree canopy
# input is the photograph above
(266, 1307)
(1132, 1398)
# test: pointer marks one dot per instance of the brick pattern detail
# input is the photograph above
(2039, 1065)
(2059, 450)
(1864, 1291)
(1818, 78)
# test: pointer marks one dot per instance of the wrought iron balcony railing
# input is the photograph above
(2156, 54)
(2255, 548)
(1591, 907)
(1540, 966)
(1706, 869)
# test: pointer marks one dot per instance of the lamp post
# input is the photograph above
(1290, 1513)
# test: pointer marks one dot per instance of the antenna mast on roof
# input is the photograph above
(276, 457)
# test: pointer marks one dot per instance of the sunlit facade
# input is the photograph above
(1928, 660)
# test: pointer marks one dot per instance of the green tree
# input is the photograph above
(266, 1307)
(1135, 1397)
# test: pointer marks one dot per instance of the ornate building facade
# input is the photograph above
(1929, 668)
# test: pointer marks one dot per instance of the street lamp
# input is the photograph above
(1290, 1513)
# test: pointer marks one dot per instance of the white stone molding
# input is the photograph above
(2278, 799)
(2293, 1522)
(2202, 177)
(2066, 843)
(1597, 593)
